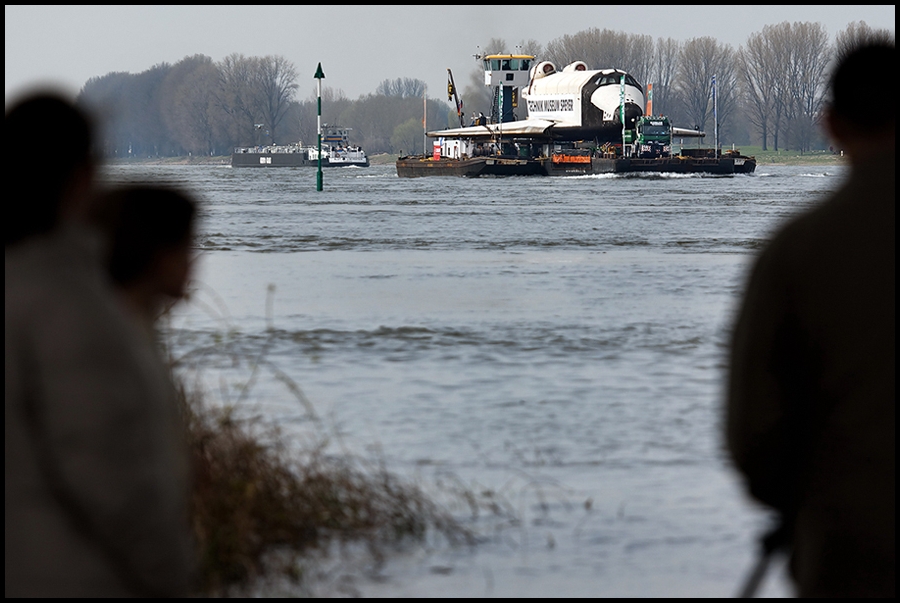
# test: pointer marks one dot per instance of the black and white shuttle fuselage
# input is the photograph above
(570, 105)
(584, 104)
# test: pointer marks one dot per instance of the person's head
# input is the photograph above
(861, 123)
(47, 142)
(151, 234)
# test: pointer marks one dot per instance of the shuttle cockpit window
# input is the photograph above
(633, 82)
(616, 79)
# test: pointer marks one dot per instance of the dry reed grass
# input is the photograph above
(258, 509)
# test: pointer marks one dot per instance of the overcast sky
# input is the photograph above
(358, 46)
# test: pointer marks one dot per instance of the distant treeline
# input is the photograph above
(198, 106)
(770, 91)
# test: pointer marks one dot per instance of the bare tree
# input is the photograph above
(188, 101)
(754, 63)
(475, 95)
(782, 72)
(640, 60)
(532, 47)
(810, 54)
(662, 74)
(276, 81)
(106, 95)
(236, 97)
(602, 49)
(401, 87)
(256, 92)
(699, 60)
(857, 34)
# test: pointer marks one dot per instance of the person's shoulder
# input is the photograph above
(51, 261)
(56, 282)
(844, 223)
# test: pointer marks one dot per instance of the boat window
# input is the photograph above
(526, 64)
(504, 65)
(495, 64)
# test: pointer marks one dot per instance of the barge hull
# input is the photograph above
(414, 167)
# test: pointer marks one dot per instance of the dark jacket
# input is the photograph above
(810, 414)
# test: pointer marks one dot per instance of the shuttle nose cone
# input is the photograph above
(632, 112)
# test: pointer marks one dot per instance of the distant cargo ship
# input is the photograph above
(336, 152)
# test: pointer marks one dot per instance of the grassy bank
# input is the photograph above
(383, 159)
(790, 157)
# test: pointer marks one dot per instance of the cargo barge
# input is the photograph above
(579, 122)
(575, 163)
(336, 152)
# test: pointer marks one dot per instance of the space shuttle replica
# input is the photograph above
(574, 104)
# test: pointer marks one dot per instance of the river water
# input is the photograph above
(558, 342)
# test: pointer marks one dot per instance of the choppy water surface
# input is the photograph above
(560, 342)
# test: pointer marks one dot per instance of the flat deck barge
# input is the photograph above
(573, 165)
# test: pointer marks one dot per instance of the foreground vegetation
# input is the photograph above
(260, 508)
(265, 507)
(256, 510)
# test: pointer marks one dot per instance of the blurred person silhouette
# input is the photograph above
(96, 469)
(151, 232)
(810, 410)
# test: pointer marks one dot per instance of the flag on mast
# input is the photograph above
(715, 114)
(622, 109)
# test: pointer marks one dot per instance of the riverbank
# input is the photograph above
(793, 157)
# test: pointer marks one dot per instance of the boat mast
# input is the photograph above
(425, 121)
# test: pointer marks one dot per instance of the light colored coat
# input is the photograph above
(96, 467)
